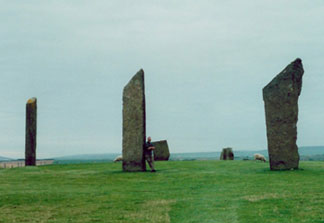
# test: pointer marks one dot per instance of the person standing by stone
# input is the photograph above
(148, 150)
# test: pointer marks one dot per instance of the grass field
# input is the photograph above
(187, 191)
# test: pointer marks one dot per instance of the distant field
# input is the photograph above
(181, 191)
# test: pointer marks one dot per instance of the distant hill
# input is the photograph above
(4, 158)
(108, 156)
(86, 158)
(306, 153)
(311, 150)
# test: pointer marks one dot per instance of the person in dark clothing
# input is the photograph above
(148, 150)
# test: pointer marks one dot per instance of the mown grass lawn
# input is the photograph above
(181, 191)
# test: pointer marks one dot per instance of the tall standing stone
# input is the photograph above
(161, 151)
(134, 126)
(227, 154)
(281, 109)
(31, 131)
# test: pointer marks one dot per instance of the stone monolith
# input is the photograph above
(31, 132)
(161, 151)
(227, 154)
(281, 109)
(134, 126)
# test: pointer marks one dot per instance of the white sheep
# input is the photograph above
(258, 156)
(118, 158)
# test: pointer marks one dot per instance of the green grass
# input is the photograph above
(187, 191)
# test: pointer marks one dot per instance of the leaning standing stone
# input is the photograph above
(134, 128)
(161, 151)
(31, 131)
(281, 109)
(227, 154)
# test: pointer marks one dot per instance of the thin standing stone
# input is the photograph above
(31, 132)
(134, 126)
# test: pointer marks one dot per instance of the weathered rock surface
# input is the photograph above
(227, 154)
(134, 126)
(31, 131)
(161, 151)
(281, 109)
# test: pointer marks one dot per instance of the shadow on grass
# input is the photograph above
(268, 170)
(116, 172)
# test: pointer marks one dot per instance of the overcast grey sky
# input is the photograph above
(205, 62)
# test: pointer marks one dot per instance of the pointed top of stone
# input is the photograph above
(298, 60)
(138, 77)
(296, 64)
(293, 74)
(139, 74)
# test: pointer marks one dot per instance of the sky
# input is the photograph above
(205, 65)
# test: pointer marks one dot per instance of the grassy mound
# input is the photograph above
(187, 191)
